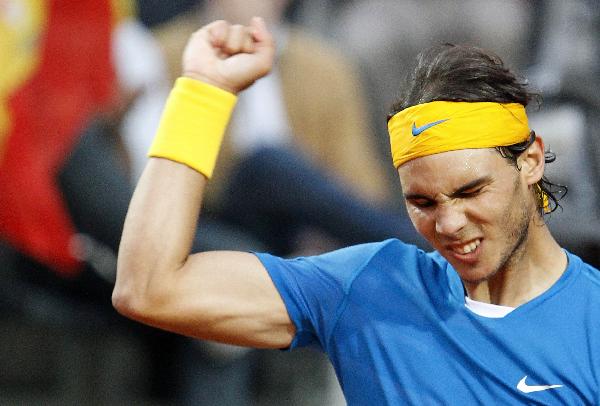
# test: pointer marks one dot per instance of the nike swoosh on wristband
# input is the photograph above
(418, 130)
(523, 387)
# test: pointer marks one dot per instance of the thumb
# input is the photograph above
(264, 41)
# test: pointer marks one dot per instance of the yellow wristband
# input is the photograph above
(192, 125)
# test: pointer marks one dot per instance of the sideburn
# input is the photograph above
(516, 226)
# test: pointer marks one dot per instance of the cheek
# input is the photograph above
(423, 223)
(495, 208)
(485, 210)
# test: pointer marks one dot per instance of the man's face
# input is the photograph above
(472, 206)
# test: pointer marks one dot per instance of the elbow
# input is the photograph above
(138, 301)
(129, 302)
(141, 293)
(124, 302)
(130, 290)
(132, 306)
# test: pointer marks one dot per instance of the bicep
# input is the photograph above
(224, 296)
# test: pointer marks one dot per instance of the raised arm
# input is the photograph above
(221, 296)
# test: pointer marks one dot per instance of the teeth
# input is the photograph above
(468, 248)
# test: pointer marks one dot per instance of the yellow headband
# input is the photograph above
(440, 126)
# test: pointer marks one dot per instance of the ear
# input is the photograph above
(532, 162)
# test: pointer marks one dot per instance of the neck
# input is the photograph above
(531, 271)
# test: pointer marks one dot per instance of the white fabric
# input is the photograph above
(487, 309)
(140, 66)
(260, 117)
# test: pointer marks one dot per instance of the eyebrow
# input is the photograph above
(461, 190)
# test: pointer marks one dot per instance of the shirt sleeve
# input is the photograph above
(314, 289)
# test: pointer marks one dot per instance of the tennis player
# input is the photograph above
(498, 313)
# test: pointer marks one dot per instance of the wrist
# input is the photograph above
(192, 125)
(210, 81)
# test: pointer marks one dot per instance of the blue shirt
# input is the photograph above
(392, 320)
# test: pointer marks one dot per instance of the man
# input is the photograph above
(498, 314)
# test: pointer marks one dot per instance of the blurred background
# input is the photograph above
(305, 168)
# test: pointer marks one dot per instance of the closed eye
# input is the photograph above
(468, 193)
(421, 203)
(472, 188)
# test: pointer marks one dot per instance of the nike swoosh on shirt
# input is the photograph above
(418, 130)
(523, 387)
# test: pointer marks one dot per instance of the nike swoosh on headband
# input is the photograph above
(418, 130)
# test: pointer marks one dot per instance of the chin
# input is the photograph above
(474, 274)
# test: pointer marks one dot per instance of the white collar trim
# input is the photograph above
(487, 309)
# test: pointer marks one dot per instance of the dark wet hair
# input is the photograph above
(451, 72)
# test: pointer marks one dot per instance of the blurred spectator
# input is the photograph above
(567, 57)
(290, 110)
(292, 105)
(143, 79)
(64, 188)
(57, 76)
(154, 12)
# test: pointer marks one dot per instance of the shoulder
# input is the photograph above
(581, 283)
(315, 289)
(589, 274)
(390, 255)
(352, 257)
(361, 255)
(343, 266)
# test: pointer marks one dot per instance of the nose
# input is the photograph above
(450, 219)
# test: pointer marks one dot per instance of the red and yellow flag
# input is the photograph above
(55, 73)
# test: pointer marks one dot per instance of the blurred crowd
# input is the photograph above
(305, 168)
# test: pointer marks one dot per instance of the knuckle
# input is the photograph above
(220, 23)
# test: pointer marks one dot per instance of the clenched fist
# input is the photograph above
(228, 56)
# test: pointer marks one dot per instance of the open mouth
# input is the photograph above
(466, 251)
(466, 248)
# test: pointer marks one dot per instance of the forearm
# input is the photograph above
(162, 217)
